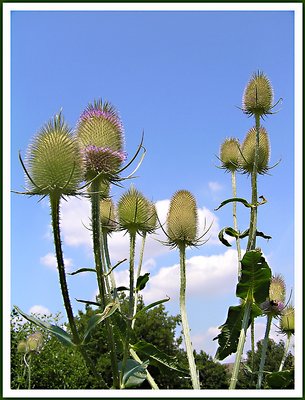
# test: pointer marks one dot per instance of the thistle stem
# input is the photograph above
(97, 243)
(287, 344)
(252, 347)
(241, 343)
(55, 203)
(264, 352)
(108, 263)
(150, 379)
(185, 325)
(132, 246)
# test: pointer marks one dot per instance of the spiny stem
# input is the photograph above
(285, 352)
(55, 203)
(137, 276)
(252, 348)
(185, 325)
(264, 352)
(97, 242)
(233, 178)
(108, 262)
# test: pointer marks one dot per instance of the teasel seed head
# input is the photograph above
(275, 304)
(182, 220)
(108, 215)
(53, 160)
(230, 154)
(248, 151)
(258, 95)
(135, 213)
(34, 342)
(22, 347)
(287, 321)
(101, 140)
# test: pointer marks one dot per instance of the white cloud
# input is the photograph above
(38, 309)
(50, 261)
(215, 186)
(205, 274)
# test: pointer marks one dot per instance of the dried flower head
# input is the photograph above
(248, 151)
(230, 154)
(108, 215)
(34, 342)
(101, 139)
(53, 160)
(182, 220)
(136, 214)
(258, 95)
(287, 321)
(22, 347)
(275, 304)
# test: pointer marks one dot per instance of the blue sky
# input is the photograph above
(179, 76)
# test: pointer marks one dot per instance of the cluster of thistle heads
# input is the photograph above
(32, 344)
(257, 101)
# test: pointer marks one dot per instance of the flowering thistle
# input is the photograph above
(230, 154)
(100, 137)
(136, 213)
(258, 95)
(287, 321)
(275, 304)
(53, 160)
(108, 215)
(182, 220)
(248, 151)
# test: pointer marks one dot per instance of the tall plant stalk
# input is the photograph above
(137, 276)
(287, 344)
(55, 213)
(234, 193)
(185, 324)
(264, 352)
(100, 271)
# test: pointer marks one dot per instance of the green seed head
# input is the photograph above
(230, 154)
(34, 342)
(136, 213)
(287, 321)
(277, 289)
(258, 95)
(108, 215)
(53, 160)
(100, 137)
(248, 151)
(21, 347)
(182, 219)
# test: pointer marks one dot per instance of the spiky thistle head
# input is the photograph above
(275, 304)
(287, 321)
(101, 140)
(230, 154)
(136, 213)
(34, 342)
(258, 95)
(247, 156)
(108, 215)
(182, 220)
(53, 160)
(21, 347)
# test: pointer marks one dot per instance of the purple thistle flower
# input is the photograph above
(95, 112)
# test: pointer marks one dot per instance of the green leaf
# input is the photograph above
(230, 232)
(258, 233)
(150, 306)
(230, 330)
(134, 373)
(234, 199)
(92, 303)
(141, 281)
(255, 277)
(55, 330)
(116, 265)
(98, 318)
(82, 270)
(280, 380)
(157, 357)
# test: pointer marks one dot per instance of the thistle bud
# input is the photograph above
(287, 321)
(53, 160)
(34, 342)
(107, 215)
(258, 95)
(182, 219)
(100, 137)
(22, 347)
(248, 151)
(230, 154)
(135, 212)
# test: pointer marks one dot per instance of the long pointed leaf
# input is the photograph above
(55, 330)
(234, 199)
(150, 306)
(141, 281)
(135, 373)
(82, 270)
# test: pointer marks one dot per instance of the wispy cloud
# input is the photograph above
(215, 186)
(39, 309)
(49, 260)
